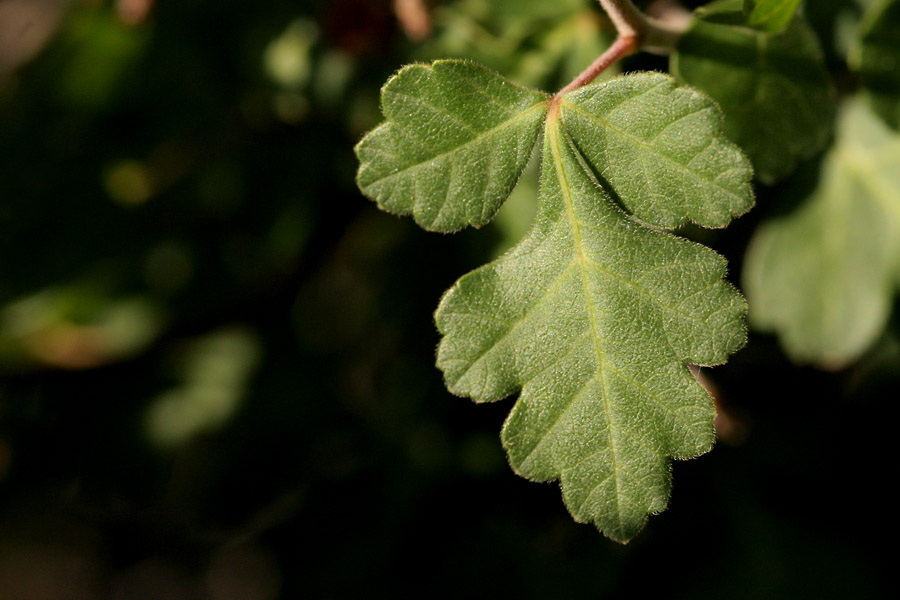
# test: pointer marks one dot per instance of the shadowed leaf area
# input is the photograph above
(772, 86)
(824, 277)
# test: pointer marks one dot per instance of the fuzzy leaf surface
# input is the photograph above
(658, 148)
(824, 276)
(878, 58)
(455, 140)
(770, 15)
(593, 316)
(773, 88)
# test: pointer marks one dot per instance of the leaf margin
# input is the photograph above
(372, 138)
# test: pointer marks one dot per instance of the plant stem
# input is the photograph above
(623, 46)
(653, 35)
(624, 15)
(636, 31)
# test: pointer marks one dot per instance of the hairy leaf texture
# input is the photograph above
(658, 149)
(772, 87)
(596, 312)
(456, 139)
(824, 276)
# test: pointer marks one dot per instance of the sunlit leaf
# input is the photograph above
(593, 315)
(658, 148)
(823, 278)
(773, 88)
(455, 141)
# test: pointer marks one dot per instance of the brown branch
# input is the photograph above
(622, 47)
(636, 31)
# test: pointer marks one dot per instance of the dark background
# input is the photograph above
(217, 358)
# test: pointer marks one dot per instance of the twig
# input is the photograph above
(653, 35)
(636, 31)
(623, 46)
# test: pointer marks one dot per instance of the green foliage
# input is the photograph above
(537, 44)
(438, 159)
(824, 276)
(770, 15)
(593, 314)
(877, 58)
(214, 349)
(772, 87)
(659, 150)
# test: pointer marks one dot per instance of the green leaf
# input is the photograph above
(594, 315)
(773, 88)
(455, 141)
(663, 161)
(771, 15)
(824, 276)
(877, 58)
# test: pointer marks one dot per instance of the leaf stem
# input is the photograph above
(636, 31)
(623, 46)
(653, 35)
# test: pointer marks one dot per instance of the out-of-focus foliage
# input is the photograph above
(877, 58)
(180, 227)
(770, 15)
(772, 86)
(824, 276)
(537, 44)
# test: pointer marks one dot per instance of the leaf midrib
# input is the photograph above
(552, 129)
(480, 137)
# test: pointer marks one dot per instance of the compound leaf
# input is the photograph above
(773, 88)
(593, 315)
(877, 57)
(824, 276)
(770, 15)
(455, 140)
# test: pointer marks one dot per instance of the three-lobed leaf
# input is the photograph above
(594, 314)
(772, 87)
(824, 276)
